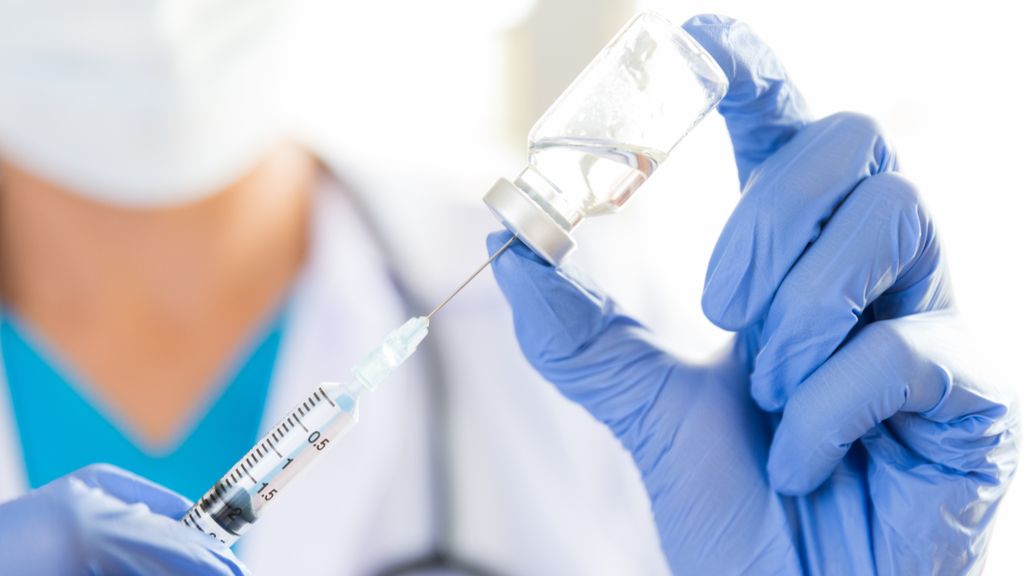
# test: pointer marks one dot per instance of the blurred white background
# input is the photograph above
(452, 86)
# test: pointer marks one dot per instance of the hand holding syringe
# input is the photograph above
(236, 501)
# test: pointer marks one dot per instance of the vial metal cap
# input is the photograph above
(525, 218)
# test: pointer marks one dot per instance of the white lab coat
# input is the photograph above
(538, 486)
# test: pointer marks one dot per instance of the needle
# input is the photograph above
(471, 276)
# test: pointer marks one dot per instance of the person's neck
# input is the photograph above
(150, 306)
(62, 253)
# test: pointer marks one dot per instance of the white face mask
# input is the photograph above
(141, 103)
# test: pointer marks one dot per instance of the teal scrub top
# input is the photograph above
(61, 429)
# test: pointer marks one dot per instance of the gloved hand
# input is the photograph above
(890, 453)
(103, 520)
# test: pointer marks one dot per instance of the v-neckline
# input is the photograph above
(95, 401)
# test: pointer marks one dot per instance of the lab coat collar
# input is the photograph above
(12, 470)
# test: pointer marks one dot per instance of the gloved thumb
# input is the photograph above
(131, 489)
(578, 340)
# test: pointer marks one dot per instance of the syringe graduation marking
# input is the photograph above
(250, 477)
(321, 389)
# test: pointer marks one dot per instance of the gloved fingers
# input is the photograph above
(122, 538)
(579, 341)
(881, 240)
(792, 196)
(35, 537)
(75, 525)
(762, 108)
(131, 488)
(899, 369)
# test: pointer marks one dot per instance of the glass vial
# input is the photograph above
(608, 132)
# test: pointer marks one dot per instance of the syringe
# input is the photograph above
(238, 499)
(234, 503)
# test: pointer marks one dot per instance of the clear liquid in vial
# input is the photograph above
(592, 176)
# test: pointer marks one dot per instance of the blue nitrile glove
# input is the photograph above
(103, 520)
(890, 454)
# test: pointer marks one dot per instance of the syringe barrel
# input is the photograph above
(234, 503)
